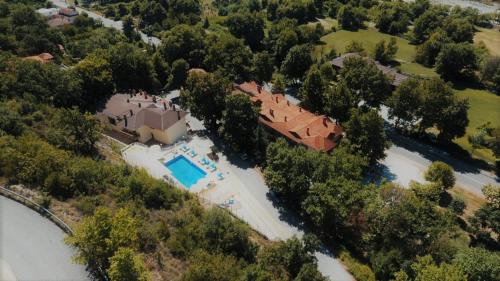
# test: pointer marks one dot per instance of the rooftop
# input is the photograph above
(140, 109)
(318, 132)
(397, 78)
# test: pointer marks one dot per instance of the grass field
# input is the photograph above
(490, 38)
(484, 107)
(369, 37)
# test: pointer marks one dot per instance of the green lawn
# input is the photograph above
(490, 38)
(484, 107)
(369, 37)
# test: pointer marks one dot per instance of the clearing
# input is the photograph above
(491, 39)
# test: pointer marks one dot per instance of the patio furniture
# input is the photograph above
(220, 176)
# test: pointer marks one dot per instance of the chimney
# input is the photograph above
(276, 99)
(178, 115)
(139, 105)
(131, 113)
(307, 131)
(271, 112)
(154, 99)
(285, 118)
(173, 106)
(300, 109)
(259, 88)
(164, 105)
(126, 121)
(324, 121)
(288, 102)
(128, 101)
(145, 95)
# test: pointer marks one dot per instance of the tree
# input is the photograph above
(428, 23)
(97, 79)
(212, 267)
(365, 131)
(263, 67)
(385, 53)
(74, 131)
(365, 80)
(184, 42)
(457, 61)
(297, 62)
(178, 74)
(285, 41)
(426, 269)
(392, 17)
(131, 68)
(99, 237)
(479, 264)
(278, 84)
(440, 108)
(340, 101)
(229, 57)
(440, 173)
(290, 254)
(239, 122)
(355, 47)
(486, 220)
(125, 265)
(429, 50)
(350, 18)
(330, 205)
(129, 27)
(459, 30)
(312, 91)
(247, 26)
(405, 102)
(204, 96)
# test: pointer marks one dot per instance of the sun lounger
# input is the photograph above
(220, 176)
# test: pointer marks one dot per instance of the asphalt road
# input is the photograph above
(109, 22)
(32, 247)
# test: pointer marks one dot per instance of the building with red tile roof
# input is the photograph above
(318, 132)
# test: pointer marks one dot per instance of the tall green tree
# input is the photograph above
(442, 174)
(457, 61)
(297, 62)
(365, 131)
(184, 42)
(96, 76)
(239, 122)
(365, 80)
(312, 91)
(404, 104)
(247, 26)
(263, 67)
(125, 265)
(204, 96)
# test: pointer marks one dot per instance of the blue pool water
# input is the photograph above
(185, 171)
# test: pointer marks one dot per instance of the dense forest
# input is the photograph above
(135, 227)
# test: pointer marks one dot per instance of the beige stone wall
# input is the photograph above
(145, 134)
(172, 134)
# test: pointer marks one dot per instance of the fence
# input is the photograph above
(44, 212)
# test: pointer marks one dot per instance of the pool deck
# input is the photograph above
(220, 192)
(253, 203)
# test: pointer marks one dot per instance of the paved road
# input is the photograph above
(327, 263)
(481, 7)
(32, 247)
(109, 22)
(407, 159)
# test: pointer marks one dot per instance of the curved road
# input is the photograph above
(32, 247)
(108, 22)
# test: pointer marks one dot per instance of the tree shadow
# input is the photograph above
(459, 159)
(379, 174)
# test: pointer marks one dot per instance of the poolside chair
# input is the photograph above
(213, 168)
(220, 176)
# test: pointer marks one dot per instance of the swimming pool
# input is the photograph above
(185, 171)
